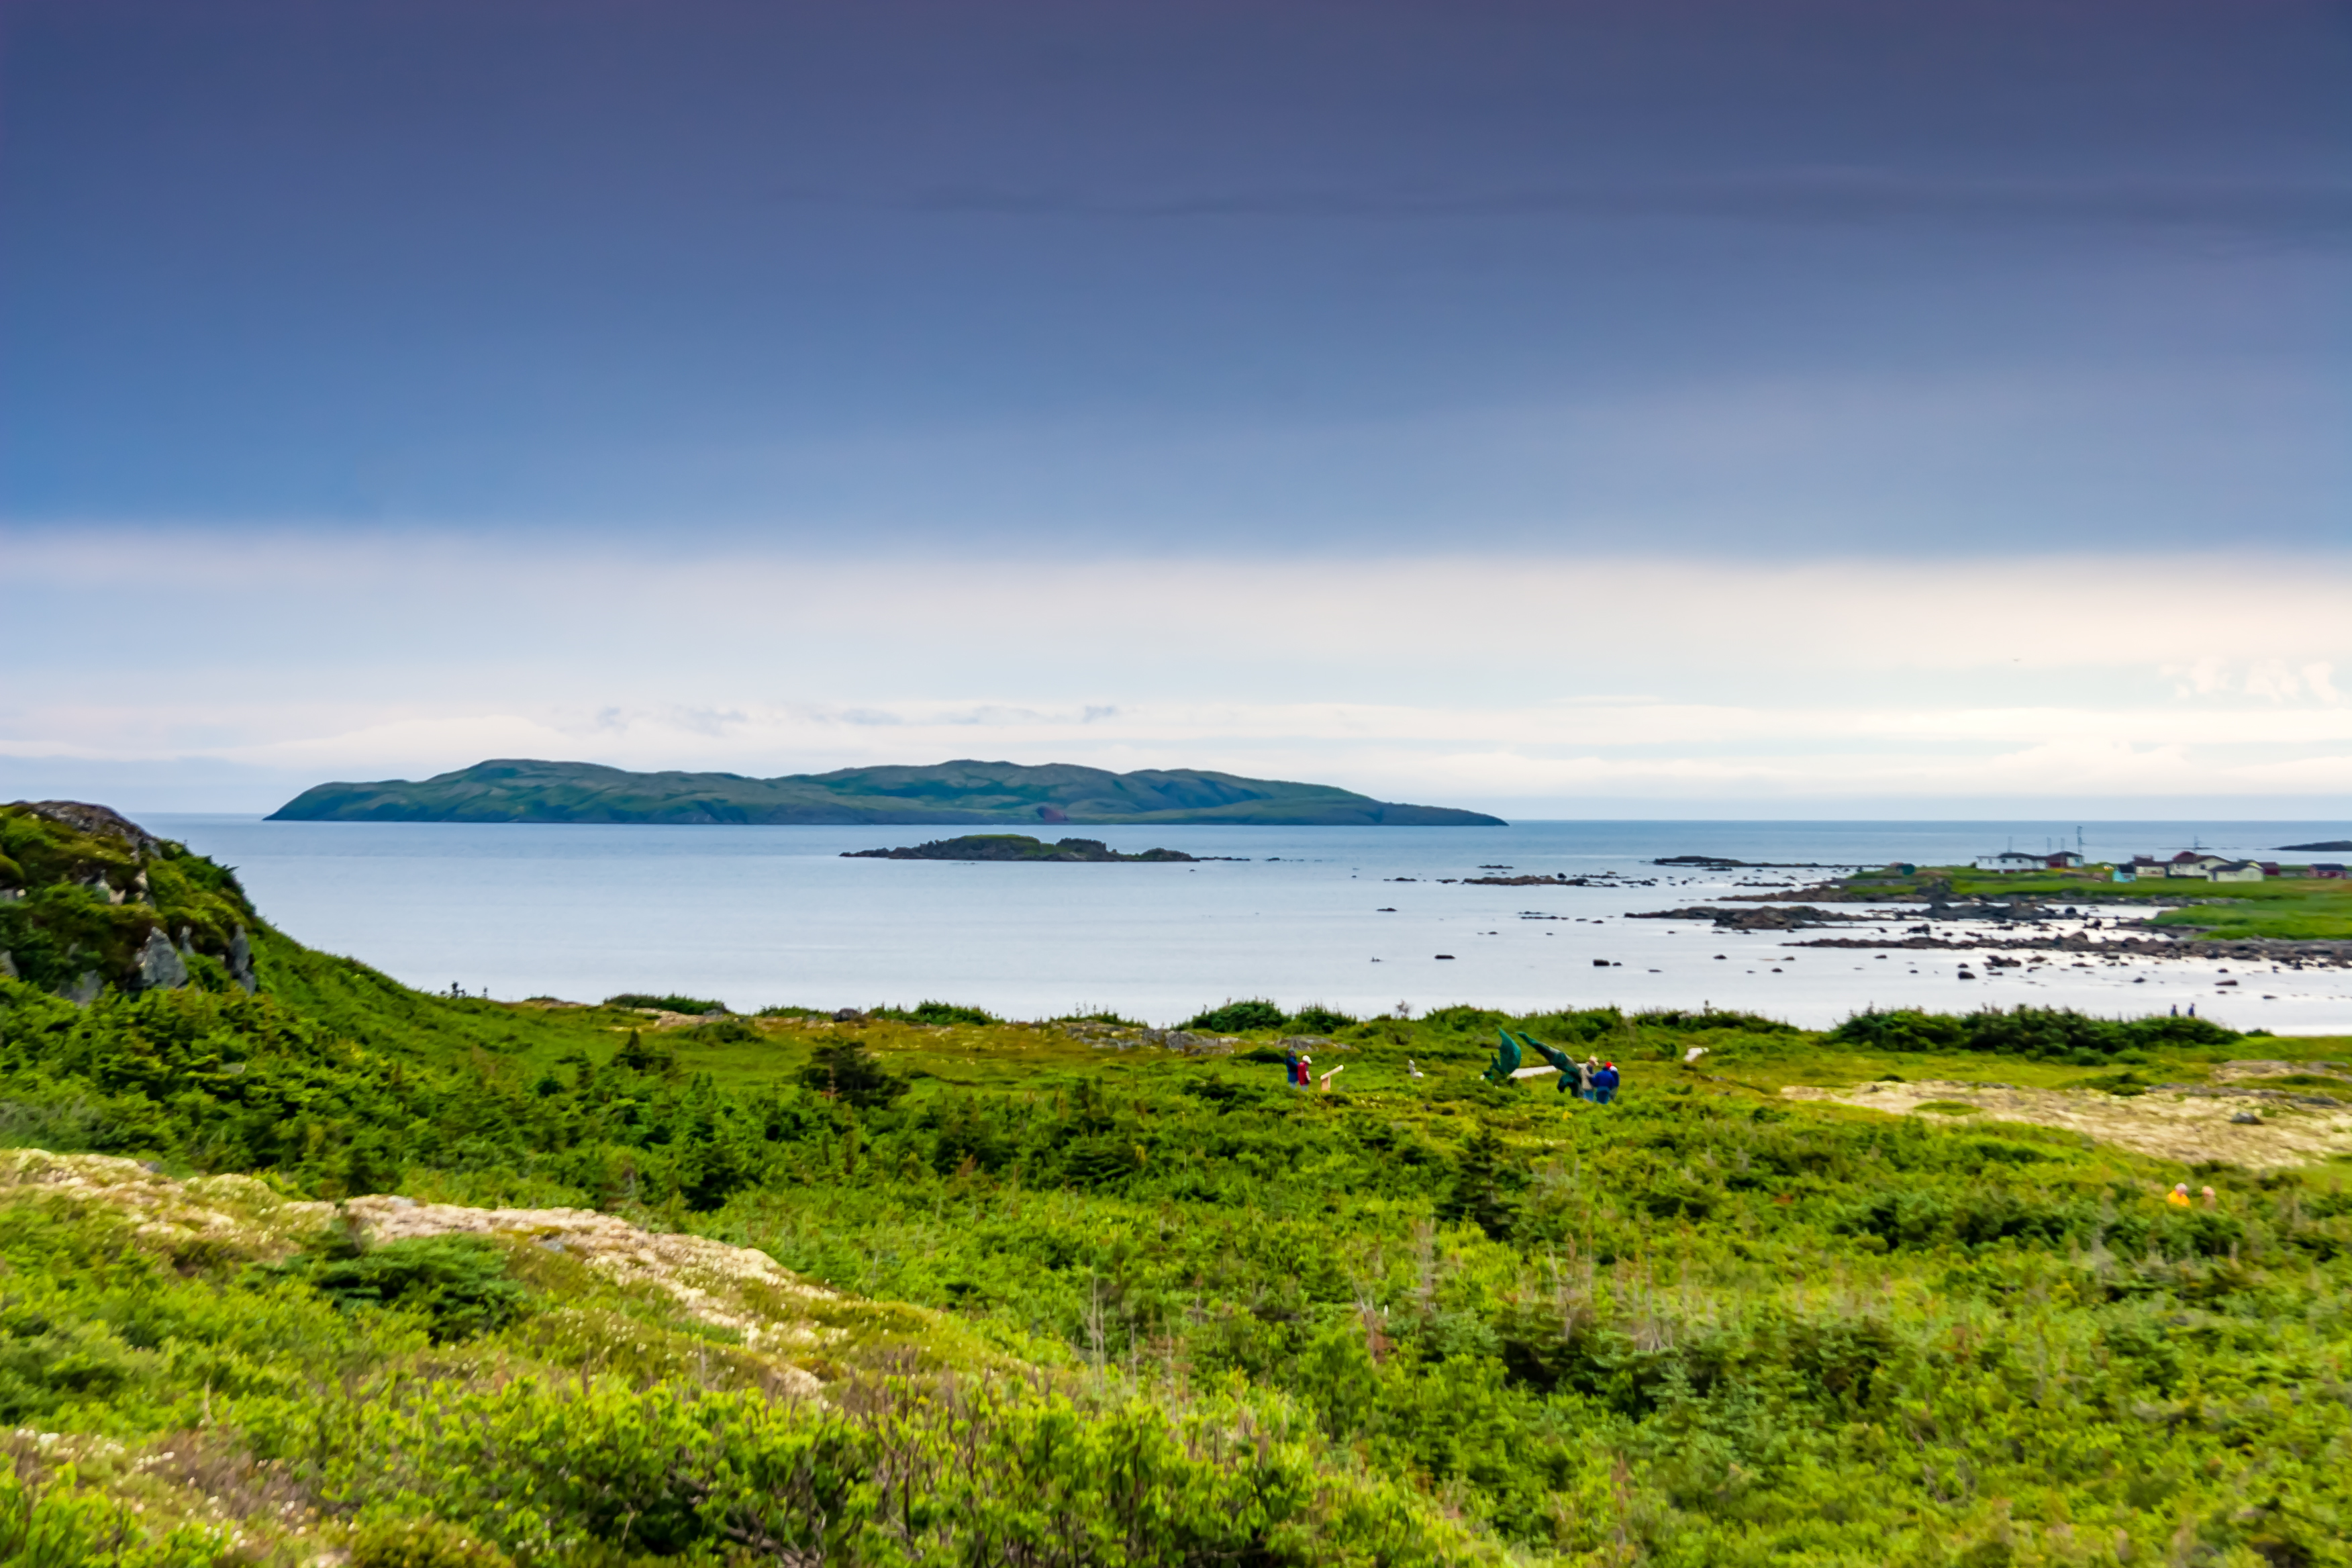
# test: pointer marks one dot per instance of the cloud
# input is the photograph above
(1445, 678)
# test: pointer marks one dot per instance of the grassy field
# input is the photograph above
(1706, 1325)
(2289, 908)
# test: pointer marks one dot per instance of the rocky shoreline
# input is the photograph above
(2137, 939)
(1793, 918)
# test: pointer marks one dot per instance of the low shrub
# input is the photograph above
(458, 1283)
(848, 1071)
(938, 1013)
(665, 1004)
(422, 1543)
(1235, 1018)
(1712, 1018)
(2045, 1033)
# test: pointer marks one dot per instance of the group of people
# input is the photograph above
(1299, 1068)
(1596, 1080)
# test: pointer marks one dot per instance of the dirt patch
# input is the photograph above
(2166, 1123)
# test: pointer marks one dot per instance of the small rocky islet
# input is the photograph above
(1010, 846)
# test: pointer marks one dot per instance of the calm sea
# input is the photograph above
(755, 916)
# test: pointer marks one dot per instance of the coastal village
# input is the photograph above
(2197, 864)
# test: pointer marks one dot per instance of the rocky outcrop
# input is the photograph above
(98, 821)
(240, 962)
(110, 904)
(1124, 1037)
(738, 1291)
(161, 967)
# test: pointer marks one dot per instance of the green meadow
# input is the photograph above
(2288, 908)
(1055, 1293)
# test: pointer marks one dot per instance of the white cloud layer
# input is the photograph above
(1448, 678)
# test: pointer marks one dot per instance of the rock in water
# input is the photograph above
(1010, 846)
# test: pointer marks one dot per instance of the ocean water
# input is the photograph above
(760, 916)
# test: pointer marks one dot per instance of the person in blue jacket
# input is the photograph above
(1604, 1084)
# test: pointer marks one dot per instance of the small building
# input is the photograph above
(2325, 868)
(2062, 860)
(2235, 871)
(2145, 865)
(2193, 863)
(2012, 860)
(2125, 872)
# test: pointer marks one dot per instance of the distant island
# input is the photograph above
(2339, 844)
(1010, 846)
(946, 793)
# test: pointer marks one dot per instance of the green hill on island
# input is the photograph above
(957, 792)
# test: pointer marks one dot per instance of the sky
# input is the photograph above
(1737, 408)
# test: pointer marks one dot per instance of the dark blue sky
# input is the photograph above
(1142, 278)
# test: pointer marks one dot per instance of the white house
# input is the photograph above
(2011, 860)
(2235, 871)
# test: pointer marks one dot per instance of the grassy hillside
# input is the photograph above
(959, 791)
(1088, 1293)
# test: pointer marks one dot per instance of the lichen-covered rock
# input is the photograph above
(240, 961)
(96, 821)
(102, 898)
(160, 967)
